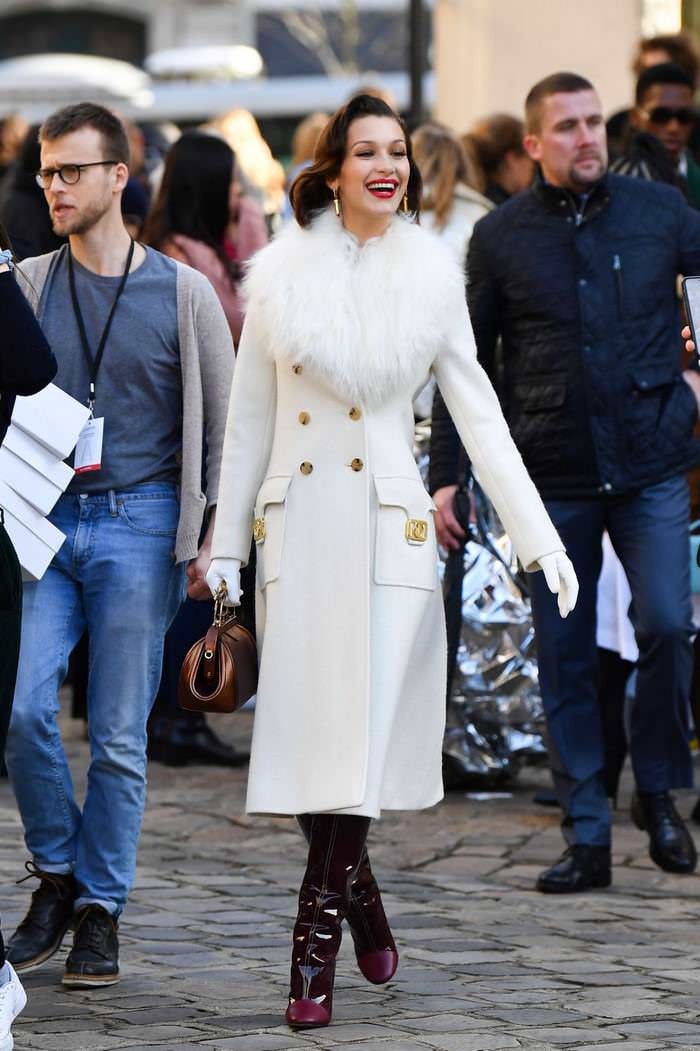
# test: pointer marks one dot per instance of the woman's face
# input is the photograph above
(374, 174)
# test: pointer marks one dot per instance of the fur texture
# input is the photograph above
(367, 320)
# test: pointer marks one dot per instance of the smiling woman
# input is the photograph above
(366, 174)
(349, 311)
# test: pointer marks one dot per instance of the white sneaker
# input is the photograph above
(13, 999)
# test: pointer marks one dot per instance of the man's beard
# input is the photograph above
(80, 224)
(586, 182)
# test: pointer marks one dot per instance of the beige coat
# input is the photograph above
(318, 461)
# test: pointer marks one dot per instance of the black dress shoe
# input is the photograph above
(671, 846)
(94, 958)
(179, 743)
(41, 932)
(581, 867)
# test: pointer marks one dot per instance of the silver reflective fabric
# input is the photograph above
(494, 712)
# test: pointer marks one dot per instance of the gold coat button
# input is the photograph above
(357, 464)
(304, 418)
(355, 413)
(306, 467)
(297, 370)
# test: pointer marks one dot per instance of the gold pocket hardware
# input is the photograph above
(259, 530)
(416, 530)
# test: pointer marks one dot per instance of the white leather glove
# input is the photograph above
(229, 571)
(561, 580)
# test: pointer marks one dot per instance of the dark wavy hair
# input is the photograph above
(193, 198)
(310, 192)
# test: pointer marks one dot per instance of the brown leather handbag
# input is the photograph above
(220, 672)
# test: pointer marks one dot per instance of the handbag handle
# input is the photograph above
(211, 639)
(220, 607)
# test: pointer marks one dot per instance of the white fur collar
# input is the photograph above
(368, 320)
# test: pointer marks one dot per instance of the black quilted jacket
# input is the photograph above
(583, 296)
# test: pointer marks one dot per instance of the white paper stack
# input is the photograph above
(44, 430)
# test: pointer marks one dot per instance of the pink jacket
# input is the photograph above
(252, 235)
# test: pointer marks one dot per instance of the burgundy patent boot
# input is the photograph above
(336, 843)
(375, 948)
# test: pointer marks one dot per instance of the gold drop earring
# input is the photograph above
(336, 201)
(405, 203)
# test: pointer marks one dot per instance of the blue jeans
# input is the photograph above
(649, 531)
(115, 574)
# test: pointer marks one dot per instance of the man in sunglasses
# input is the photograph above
(661, 124)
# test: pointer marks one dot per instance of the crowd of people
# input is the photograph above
(250, 345)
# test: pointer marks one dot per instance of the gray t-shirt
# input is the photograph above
(139, 385)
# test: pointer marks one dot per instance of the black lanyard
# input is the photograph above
(93, 364)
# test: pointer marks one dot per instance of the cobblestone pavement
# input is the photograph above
(486, 963)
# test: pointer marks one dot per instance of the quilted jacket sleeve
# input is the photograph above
(476, 412)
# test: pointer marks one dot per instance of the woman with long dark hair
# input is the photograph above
(26, 366)
(349, 310)
(200, 217)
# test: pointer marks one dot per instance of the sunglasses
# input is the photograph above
(665, 114)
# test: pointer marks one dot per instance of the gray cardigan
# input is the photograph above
(206, 360)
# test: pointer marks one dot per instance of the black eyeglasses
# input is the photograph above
(665, 114)
(67, 173)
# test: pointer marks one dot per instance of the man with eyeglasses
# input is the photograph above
(143, 341)
(661, 124)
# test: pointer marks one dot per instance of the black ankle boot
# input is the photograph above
(581, 867)
(336, 843)
(42, 930)
(94, 959)
(671, 846)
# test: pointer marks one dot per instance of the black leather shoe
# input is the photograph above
(42, 930)
(695, 813)
(94, 958)
(670, 844)
(177, 744)
(581, 867)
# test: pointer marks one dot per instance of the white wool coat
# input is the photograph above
(318, 462)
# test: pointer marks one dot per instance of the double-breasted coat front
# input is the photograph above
(318, 464)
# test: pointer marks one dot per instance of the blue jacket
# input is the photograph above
(582, 293)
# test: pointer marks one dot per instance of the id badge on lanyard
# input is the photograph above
(88, 451)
